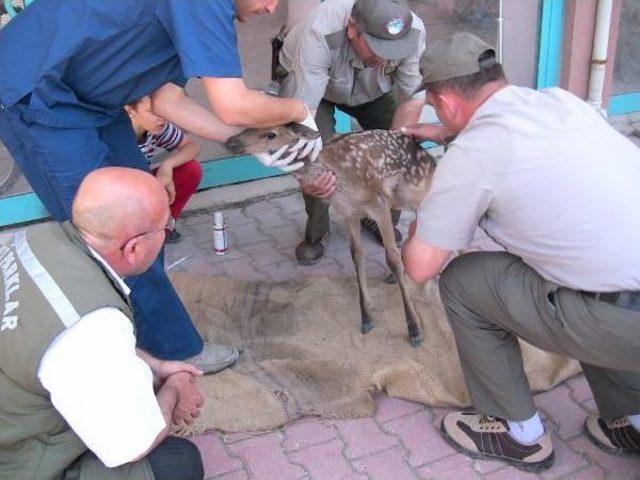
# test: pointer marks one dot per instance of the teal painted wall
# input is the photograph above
(621, 104)
(28, 208)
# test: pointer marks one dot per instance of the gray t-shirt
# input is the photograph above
(551, 181)
(322, 64)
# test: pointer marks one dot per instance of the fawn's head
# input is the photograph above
(268, 140)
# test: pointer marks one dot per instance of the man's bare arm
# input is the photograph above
(171, 103)
(239, 106)
(179, 390)
(167, 398)
(421, 260)
(427, 131)
(163, 369)
(407, 113)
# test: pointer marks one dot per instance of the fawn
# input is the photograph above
(376, 171)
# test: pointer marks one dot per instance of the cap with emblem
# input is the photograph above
(386, 26)
(458, 55)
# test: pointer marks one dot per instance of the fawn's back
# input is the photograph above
(376, 165)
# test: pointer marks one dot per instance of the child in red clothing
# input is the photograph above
(180, 172)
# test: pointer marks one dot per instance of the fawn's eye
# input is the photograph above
(269, 135)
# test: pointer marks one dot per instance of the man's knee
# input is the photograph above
(191, 460)
(469, 274)
(453, 277)
(176, 458)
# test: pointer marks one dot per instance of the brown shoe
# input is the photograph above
(311, 253)
(482, 436)
(616, 437)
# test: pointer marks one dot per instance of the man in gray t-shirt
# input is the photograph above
(552, 182)
(348, 54)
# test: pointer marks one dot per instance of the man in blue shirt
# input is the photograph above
(69, 66)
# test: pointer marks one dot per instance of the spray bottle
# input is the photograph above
(219, 234)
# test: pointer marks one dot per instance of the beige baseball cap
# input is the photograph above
(455, 56)
(386, 26)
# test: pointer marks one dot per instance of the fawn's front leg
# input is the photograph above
(355, 243)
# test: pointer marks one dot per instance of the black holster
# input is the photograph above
(277, 71)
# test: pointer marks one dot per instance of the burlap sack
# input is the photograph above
(303, 353)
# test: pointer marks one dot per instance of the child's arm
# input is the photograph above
(186, 150)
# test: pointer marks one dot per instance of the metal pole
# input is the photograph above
(500, 21)
(599, 54)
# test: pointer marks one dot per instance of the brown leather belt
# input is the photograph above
(625, 299)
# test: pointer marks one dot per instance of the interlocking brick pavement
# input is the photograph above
(326, 461)
(402, 440)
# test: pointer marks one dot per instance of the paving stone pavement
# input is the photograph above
(402, 440)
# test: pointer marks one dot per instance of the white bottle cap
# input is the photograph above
(218, 218)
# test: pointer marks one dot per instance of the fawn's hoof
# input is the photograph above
(366, 327)
(389, 278)
(415, 341)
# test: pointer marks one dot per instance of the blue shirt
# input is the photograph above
(82, 60)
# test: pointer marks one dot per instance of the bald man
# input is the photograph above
(77, 399)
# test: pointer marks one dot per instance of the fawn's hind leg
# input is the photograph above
(394, 261)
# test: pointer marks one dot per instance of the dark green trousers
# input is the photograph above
(174, 458)
(492, 298)
(377, 114)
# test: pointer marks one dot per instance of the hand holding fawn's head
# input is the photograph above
(269, 140)
(270, 145)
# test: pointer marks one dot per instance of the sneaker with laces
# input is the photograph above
(372, 227)
(617, 437)
(311, 253)
(483, 436)
(214, 357)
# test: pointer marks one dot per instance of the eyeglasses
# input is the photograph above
(171, 224)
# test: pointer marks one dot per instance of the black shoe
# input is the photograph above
(372, 227)
(618, 436)
(172, 236)
(485, 437)
(311, 253)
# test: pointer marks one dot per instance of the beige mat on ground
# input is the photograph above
(304, 354)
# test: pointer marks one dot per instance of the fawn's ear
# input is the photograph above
(303, 131)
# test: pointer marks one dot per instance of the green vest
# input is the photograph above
(48, 281)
